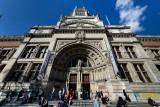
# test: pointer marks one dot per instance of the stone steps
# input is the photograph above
(85, 103)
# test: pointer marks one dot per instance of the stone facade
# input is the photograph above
(81, 53)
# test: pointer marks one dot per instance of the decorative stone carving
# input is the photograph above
(80, 36)
(96, 43)
(61, 43)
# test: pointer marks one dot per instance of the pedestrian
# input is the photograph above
(70, 100)
(20, 94)
(30, 98)
(124, 93)
(72, 94)
(12, 94)
(108, 101)
(53, 94)
(96, 104)
(120, 102)
(125, 103)
(41, 94)
(101, 94)
(45, 104)
(41, 102)
(37, 93)
(60, 94)
(63, 94)
(91, 95)
(103, 103)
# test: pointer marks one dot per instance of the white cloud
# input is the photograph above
(131, 15)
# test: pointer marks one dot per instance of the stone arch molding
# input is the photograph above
(79, 23)
(73, 50)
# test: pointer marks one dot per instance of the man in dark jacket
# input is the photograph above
(12, 94)
(20, 94)
(120, 102)
(41, 102)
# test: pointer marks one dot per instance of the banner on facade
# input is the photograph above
(45, 62)
(113, 62)
(147, 95)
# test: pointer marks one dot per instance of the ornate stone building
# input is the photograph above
(83, 54)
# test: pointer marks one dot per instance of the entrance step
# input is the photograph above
(82, 103)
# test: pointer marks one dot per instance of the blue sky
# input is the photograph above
(20, 15)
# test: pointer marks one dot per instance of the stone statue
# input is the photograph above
(79, 65)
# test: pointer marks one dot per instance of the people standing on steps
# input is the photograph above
(60, 94)
(96, 104)
(103, 103)
(41, 94)
(91, 95)
(63, 94)
(53, 94)
(20, 94)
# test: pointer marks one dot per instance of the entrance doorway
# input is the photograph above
(86, 86)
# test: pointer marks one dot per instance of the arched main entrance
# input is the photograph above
(74, 66)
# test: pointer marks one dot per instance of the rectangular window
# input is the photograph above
(4, 54)
(117, 52)
(17, 75)
(85, 77)
(73, 78)
(42, 52)
(155, 52)
(142, 73)
(29, 52)
(34, 72)
(130, 51)
(126, 72)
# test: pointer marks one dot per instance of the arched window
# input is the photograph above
(74, 62)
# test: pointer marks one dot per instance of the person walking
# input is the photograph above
(20, 94)
(96, 104)
(41, 94)
(103, 103)
(41, 102)
(91, 95)
(12, 94)
(124, 93)
(120, 102)
(53, 94)
(60, 94)
(63, 94)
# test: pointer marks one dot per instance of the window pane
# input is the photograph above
(141, 67)
(24, 67)
(129, 76)
(26, 55)
(129, 54)
(31, 55)
(119, 55)
(140, 76)
(40, 65)
(134, 54)
(147, 77)
(124, 67)
(136, 67)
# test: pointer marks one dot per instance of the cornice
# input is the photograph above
(122, 35)
(38, 35)
(142, 38)
(12, 38)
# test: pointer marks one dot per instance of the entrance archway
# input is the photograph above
(74, 66)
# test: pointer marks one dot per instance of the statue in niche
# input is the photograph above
(80, 35)
(79, 65)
